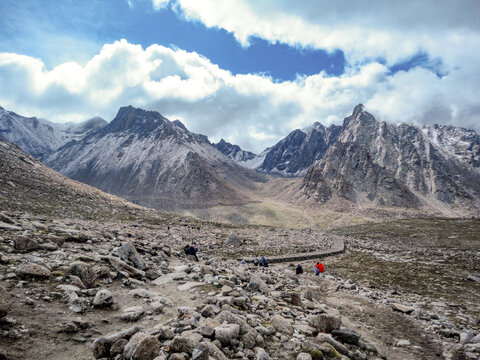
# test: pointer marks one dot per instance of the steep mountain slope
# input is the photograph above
(152, 161)
(293, 155)
(28, 185)
(233, 152)
(40, 137)
(380, 163)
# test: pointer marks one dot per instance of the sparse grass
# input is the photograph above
(429, 257)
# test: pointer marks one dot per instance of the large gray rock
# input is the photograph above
(304, 356)
(261, 354)
(132, 314)
(282, 325)
(142, 347)
(225, 333)
(33, 271)
(85, 272)
(101, 346)
(185, 343)
(121, 265)
(230, 318)
(327, 338)
(257, 284)
(346, 336)
(103, 298)
(26, 243)
(325, 323)
(128, 253)
(214, 351)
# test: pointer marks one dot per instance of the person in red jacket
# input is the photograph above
(319, 268)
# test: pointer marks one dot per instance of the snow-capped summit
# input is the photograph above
(41, 137)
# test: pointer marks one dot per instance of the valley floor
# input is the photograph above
(408, 289)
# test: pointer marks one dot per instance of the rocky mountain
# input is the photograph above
(40, 137)
(293, 155)
(28, 185)
(398, 165)
(234, 152)
(147, 159)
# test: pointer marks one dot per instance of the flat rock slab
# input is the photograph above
(189, 286)
(168, 278)
(402, 308)
(10, 227)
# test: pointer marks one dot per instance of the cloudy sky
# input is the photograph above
(249, 71)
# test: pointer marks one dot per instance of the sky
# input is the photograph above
(247, 71)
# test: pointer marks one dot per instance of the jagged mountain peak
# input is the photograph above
(133, 119)
(233, 152)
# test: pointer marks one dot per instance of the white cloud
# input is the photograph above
(160, 4)
(393, 30)
(251, 110)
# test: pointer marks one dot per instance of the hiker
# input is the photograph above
(193, 252)
(255, 261)
(186, 249)
(263, 262)
(299, 269)
(319, 268)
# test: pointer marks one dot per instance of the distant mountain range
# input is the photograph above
(40, 137)
(147, 159)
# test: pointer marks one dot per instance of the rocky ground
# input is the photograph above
(84, 289)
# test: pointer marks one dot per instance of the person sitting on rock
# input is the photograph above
(319, 268)
(186, 249)
(263, 262)
(299, 269)
(255, 261)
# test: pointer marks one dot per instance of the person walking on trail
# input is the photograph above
(319, 268)
(263, 262)
(193, 252)
(299, 269)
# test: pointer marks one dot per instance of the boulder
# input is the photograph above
(103, 298)
(402, 308)
(327, 338)
(118, 347)
(257, 284)
(324, 323)
(185, 343)
(101, 346)
(261, 354)
(304, 356)
(132, 314)
(225, 333)
(34, 271)
(346, 336)
(282, 325)
(142, 347)
(85, 272)
(214, 351)
(121, 265)
(25, 243)
(230, 318)
(128, 253)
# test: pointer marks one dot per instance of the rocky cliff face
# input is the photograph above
(40, 137)
(299, 150)
(152, 161)
(404, 165)
(234, 152)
